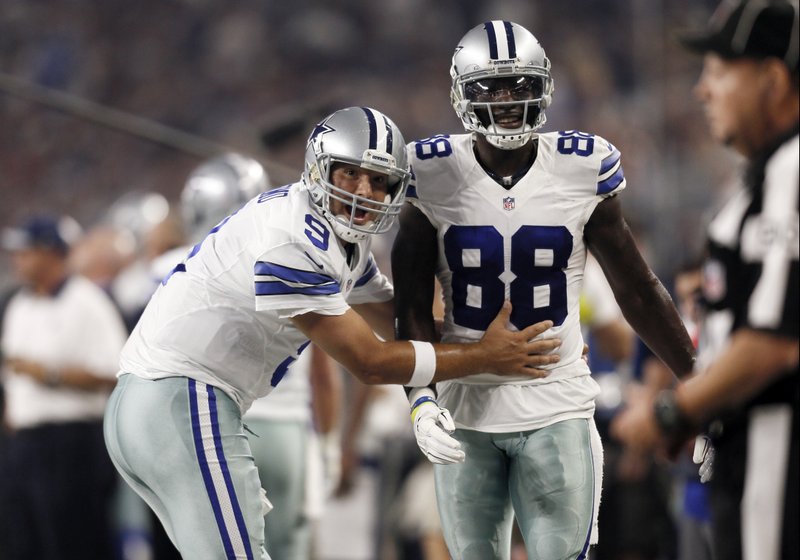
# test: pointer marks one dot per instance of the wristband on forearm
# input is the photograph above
(424, 364)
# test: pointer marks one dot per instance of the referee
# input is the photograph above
(749, 390)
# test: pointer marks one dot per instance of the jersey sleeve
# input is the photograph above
(435, 172)
(610, 175)
(412, 193)
(291, 278)
(372, 286)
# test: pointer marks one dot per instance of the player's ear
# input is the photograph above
(776, 79)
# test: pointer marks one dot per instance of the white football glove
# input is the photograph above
(432, 427)
(704, 456)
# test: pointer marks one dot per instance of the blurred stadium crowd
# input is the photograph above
(254, 75)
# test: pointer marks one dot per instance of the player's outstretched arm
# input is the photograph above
(350, 341)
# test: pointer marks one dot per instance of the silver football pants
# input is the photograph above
(548, 478)
(181, 445)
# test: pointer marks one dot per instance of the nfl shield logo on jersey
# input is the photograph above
(508, 203)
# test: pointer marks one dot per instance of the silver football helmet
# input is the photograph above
(500, 49)
(218, 187)
(369, 139)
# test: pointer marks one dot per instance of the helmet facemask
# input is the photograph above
(524, 102)
(324, 192)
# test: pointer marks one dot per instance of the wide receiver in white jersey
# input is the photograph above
(224, 327)
(503, 213)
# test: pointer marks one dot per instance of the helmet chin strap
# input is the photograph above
(508, 139)
(511, 141)
(346, 233)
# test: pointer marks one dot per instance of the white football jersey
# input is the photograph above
(223, 315)
(524, 243)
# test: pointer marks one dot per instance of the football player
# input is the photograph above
(293, 265)
(503, 212)
(217, 187)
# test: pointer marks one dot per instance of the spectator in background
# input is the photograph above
(61, 339)
(101, 254)
(751, 387)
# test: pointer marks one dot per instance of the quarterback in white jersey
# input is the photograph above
(202, 321)
(224, 327)
(505, 213)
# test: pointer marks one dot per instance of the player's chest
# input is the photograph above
(349, 267)
(540, 199)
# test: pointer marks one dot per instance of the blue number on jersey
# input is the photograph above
(574, 142)
(317, 233)
(539, 255)
(263, 197)
(181, 267)
(435, 146)
(280, 192)
(283, 367)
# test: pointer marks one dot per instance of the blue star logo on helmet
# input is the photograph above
(321, 128)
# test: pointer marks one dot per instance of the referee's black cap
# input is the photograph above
(750, 29)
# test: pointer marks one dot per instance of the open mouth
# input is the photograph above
(508, 119)
(359, 216)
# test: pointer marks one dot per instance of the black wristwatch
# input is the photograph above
(672, 421)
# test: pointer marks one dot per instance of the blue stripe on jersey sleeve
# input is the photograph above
(608, 185)
(609, 161)
(280, 289)
(411, 192)
(290, 274)
(372, 270)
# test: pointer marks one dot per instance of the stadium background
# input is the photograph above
(254, 75)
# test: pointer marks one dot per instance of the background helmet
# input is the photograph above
(218, 187)
(366, 138)
(499, 49)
